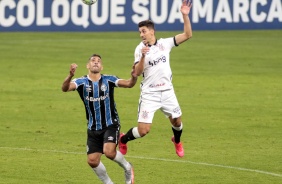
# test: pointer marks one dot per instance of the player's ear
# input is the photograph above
(153, 31)
(87, 65)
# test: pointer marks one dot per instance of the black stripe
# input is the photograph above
(81, 95)
(91, 104)
(112, 103)
(175, 41)
(102, 105)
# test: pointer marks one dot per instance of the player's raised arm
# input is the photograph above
(67, 84)
(185, 10)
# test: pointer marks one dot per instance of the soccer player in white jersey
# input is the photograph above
(152, 60)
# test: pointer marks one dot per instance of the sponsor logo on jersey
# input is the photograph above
(92, 99)
(88, 88)
(156, 85)
(157, 61)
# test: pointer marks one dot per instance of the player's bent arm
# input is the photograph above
(187, 34)
(139, 67)
(127, 83)
(68, 85)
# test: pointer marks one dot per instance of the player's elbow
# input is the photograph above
(139, 72)
(64, 89)
(188, 36)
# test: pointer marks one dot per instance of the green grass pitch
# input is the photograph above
(228, 83)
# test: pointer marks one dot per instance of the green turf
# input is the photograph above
(228, 83)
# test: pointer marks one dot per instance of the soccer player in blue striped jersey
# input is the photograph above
(97, 93)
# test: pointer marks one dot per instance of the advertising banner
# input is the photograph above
(124, 15)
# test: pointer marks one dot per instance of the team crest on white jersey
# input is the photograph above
(161, 47)
(103, 87)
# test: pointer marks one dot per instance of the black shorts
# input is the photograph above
(96, 139)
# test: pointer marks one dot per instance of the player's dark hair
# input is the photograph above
(148, 23)
(97, 55)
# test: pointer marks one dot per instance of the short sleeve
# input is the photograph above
(78, 82)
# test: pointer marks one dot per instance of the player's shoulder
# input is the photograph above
(164, 40)
(84, 77)
(141, 44)
(109, 77)
(170, 42)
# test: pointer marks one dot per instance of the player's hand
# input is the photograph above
(145, 50)
(73, 69)
(186, 7)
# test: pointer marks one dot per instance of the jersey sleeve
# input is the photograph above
(116, 83)
(113, 79)
(170, 42)
(78, 82)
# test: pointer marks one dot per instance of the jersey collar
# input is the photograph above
(153, 44)
(92, 80)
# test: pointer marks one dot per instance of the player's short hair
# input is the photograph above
(148, 23)
(93, 55)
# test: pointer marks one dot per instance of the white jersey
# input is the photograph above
(157, 75)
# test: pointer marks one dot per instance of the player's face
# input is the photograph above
(95, 64)
(147, 35)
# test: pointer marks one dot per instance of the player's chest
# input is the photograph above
(97, 87)
(156, 56)
(156, 50)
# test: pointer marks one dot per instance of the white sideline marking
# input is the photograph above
(148, 158)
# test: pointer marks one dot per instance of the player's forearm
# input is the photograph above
(139, 67)
(132, 81)
(66, 83)
(129, 83)
(187, 26)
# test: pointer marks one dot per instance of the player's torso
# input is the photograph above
(157, 72)
(98, 98)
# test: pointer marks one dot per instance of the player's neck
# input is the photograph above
(152, 41)
(94, 76)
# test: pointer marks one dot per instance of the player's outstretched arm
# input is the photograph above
(130, 82)
(67, 84)
(185, 10)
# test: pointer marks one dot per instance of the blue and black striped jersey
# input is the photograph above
(98, 99)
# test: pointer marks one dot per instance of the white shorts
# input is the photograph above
(150, 102)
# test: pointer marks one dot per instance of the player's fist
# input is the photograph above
(145, 50)
(73, 68)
